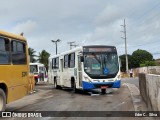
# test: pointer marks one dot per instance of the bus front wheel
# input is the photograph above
(2, 100)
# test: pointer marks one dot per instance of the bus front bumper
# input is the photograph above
(90, 85)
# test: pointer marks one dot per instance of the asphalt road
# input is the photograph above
(47, 98)
(134, 81)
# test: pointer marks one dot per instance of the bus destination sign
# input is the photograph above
(99, 49)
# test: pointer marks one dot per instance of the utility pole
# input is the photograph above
(55, 41)
(72, 44)
(124, 31)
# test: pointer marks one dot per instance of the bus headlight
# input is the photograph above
(87, 79)
(118, 77)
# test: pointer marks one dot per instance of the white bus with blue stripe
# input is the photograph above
(86, 67)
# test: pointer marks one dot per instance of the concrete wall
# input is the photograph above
(150, 90)
(147, 70)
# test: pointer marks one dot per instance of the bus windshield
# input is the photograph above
(101, 65)
(33, 69)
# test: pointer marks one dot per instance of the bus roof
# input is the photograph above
(11, 35)
(98, 46)
(67, 52)
(36, 64)
(78, 49)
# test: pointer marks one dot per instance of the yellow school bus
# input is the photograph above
(14, 68)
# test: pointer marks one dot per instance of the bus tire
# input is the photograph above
(103, 91)
(36, 80)
(73, 86)
(55, 84)
(2, 100)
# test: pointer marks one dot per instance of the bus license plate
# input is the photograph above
(104, 87)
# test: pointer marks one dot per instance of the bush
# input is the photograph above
(148, 63)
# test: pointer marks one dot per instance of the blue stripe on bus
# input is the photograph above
(117, 84)
(89, 85)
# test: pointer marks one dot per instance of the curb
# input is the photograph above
(138, 103)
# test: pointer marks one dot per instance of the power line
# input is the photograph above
(156, 53)
(143, 44)
(142, 16)
(148, 11)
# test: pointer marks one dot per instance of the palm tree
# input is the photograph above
(32, 54)
(43, 57)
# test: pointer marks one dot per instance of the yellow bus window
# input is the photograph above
(4, 51)
(18, 52)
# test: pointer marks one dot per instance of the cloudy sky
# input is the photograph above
(84, 21)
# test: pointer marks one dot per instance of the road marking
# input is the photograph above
(119, 105)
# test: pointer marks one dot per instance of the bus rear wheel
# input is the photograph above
(73, 86)
(2, 100)
(55, 83)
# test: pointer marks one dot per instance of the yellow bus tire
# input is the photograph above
(2, 100)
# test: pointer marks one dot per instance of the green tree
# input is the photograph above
(123, 62)
(43, 57)
(140, 57)
(32, 52)
(148, 63)
(157, 62)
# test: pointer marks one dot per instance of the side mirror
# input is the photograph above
(120, 62)
(82, 59)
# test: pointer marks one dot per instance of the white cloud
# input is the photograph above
(108, 16)
(83, 21)
(27, 27)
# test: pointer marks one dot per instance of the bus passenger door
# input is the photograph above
(61, 72)
(79, 71)
(45, 75)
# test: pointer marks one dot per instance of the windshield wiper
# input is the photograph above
(102, 75)
(96, 57)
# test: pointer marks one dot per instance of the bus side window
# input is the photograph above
(18, 53)
(66, 61)
(72, 60)
(53, 63)
(4, 51)
(57, 63)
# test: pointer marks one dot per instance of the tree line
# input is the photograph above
(139, 58)
(42, 57)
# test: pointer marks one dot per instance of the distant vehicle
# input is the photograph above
(86, 67)
(14, 68)
(39, 71)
